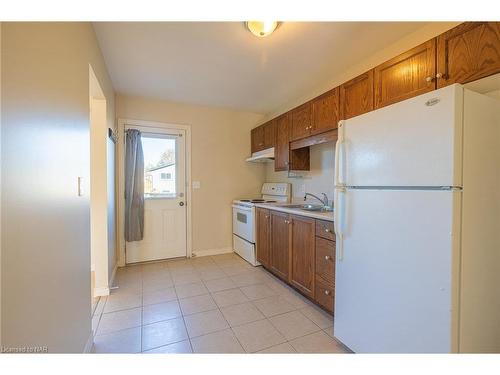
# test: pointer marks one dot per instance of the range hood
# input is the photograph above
(263, 156)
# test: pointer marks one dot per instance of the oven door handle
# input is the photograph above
(242, 208)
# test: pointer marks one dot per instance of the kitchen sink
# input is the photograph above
(310, 207)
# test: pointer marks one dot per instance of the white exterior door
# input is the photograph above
(165, 193)
(394, 286)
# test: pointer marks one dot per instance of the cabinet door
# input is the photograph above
(257, 137)
(325, 260)
(282, 148)
(409, 74)
(280, 240)
(263, 236)
(356, 96)
(468, 52)
(269, 134)
(325, 112)
(301, 121)
(324, 294)
(302, 253)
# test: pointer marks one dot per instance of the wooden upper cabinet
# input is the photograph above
(301, 118)
(282, 147)
(263, 236)
(407, 75)
(280, 241)
(284, 158)
(269, 134)
(263, 136)
(468, 52)
(325, 111)
(356, 96)
(302, 260)
(257, 137)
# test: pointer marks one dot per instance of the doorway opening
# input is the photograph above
(102, 215)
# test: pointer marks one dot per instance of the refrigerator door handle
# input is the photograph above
(338, 148)
(339, 189)
(338, 221)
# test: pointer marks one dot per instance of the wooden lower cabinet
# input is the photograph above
(300, 251)
(324, 294)
(279, 262)
(302, 263)
(263, 236)
(325, 259)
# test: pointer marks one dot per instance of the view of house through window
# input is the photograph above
(159, 165)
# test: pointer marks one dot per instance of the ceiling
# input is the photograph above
(221, 64)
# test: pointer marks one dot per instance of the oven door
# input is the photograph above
(244, 222)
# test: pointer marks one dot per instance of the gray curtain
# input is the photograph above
(134, 187)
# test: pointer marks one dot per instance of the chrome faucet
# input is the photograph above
(324, 200)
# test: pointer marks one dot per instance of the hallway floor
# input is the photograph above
(215, 304)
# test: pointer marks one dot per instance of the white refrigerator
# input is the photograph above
(417, 208)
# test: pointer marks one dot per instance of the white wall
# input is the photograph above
(319, 179)
(45, 147)
(220, 143)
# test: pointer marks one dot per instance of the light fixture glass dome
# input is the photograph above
(261, 28)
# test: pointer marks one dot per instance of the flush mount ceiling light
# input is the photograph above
(262, 29)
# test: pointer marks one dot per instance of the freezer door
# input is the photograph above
(416, 142)
(394, 287)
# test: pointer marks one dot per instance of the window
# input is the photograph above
(159, 165)
(166, 176)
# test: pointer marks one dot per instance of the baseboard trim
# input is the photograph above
(89, 344)
(112, 280)
(208, 252)
(101, 292)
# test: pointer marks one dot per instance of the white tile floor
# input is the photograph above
(217, 304)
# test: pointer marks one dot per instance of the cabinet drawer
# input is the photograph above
(325, 229)
(325, 259)
(324, 294)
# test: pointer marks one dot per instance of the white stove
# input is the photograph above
(244, 218)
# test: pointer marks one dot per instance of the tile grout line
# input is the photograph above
(229, 325)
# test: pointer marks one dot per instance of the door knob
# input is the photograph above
(327, 257)
(181, 203)
(327, 292)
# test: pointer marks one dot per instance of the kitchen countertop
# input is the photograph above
(296, 211)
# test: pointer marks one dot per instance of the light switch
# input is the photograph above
(196, 184)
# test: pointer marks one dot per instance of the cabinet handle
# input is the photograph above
(327, 230)
(439, 75)
(429, 79)
(327, 292)
(328, 257)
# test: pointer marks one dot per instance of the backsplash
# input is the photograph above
(316, 181)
